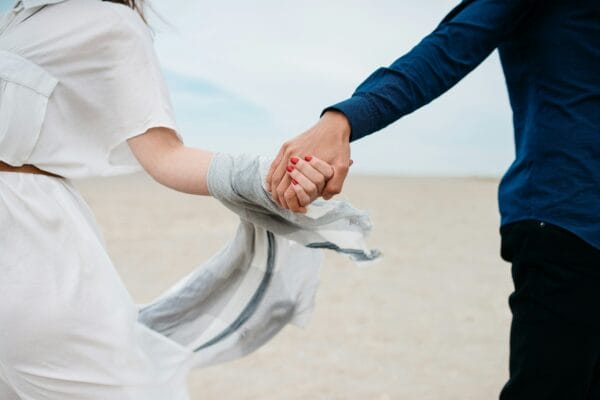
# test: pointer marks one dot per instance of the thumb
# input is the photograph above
(274, 165)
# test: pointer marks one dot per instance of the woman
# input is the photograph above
(81, 95)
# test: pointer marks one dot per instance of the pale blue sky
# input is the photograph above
(246, 76)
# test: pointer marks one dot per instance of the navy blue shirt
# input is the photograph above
(550, 53)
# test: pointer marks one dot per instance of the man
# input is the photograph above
(550, 196)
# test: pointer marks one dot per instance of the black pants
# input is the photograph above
(555, 332)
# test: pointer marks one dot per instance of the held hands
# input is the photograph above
(329, 143)
(308, 178)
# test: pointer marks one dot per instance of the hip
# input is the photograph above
(555, 273)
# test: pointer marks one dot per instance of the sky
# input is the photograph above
(246, 76)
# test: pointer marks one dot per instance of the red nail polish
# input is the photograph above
(290, 168)
(294, 160)
(294, 182)
(308, 158)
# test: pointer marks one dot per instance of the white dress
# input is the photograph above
(77, 79)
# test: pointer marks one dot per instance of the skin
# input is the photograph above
(308, 178)
(170, 163)
(329, 140)
(185, 169)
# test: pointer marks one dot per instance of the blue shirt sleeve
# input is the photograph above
(460, 43)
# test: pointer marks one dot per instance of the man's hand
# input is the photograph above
(328, 140)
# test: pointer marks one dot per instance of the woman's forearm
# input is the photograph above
(171, 163)
(183, 169)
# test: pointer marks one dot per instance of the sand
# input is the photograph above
(430, 321)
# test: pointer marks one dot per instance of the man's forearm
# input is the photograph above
(459, 44)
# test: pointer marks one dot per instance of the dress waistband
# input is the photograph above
(27, 169)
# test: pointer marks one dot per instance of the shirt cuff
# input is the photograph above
(360, 114)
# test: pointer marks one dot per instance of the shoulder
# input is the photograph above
(126, 20)
(67, 38)
(94, 30)
(96, 19)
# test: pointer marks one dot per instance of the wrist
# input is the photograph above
(338, 123)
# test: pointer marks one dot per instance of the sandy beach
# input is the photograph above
(430, 321)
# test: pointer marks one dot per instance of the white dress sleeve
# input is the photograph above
(136, 94)
(110, 88)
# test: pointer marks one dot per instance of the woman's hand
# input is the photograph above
(308, 177)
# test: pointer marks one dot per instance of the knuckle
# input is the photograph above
(288, 150)
(334, 189)
(343, 168)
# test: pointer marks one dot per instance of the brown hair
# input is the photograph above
(137, 5)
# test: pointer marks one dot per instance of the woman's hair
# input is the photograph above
(137, 5)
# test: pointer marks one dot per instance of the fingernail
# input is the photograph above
(294, 160)
(294, 182)
(289, 168)
(308, 158)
